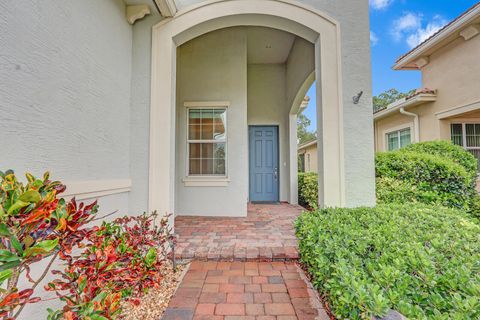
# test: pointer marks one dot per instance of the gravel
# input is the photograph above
(153, 304)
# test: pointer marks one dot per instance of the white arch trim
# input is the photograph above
(291, 16)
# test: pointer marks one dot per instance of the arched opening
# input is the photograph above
(309, 25)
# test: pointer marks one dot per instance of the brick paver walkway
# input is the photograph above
(244, 290)
(267, 233)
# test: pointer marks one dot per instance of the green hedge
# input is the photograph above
(421, 177)
(421, 261)
(449, 151)
(308, 189)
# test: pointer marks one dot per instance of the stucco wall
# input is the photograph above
(299, 66)
(266, 106)
(140, 111)
(312, 153)
(213, 67)
(65, 74)
(65, 88)
(453, 71)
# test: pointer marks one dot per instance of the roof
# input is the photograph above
(451, 29)
(307, 144)
(420, 97)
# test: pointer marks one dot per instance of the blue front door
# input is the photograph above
(263, 142)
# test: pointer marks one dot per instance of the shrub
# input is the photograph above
(424, 178)
(308, 189)
(447, 150)
(421, 261)
(120, 260)
(34, 223)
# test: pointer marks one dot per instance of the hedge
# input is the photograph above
(308, 189)
(449, 151)
(404, 175)
(421, 261)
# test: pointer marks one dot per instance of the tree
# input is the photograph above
(384, 99)
(303, 134)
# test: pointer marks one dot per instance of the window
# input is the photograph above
(207, 141)
(467, 135)
(398, 139)
(301, 162)
(308, 162)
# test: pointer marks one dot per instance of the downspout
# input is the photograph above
(416, 124)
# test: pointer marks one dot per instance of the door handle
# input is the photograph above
(276, 173)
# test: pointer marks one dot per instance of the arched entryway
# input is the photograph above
(307, 23)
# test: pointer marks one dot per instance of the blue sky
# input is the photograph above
(396, 26)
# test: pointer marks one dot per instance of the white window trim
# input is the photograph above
(395, 129)
(464, 133)
(205, 180)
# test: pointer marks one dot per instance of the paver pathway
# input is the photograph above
(244, 290)
(267, 233)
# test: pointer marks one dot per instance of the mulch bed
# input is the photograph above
(154, 303)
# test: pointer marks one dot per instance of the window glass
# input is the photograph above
(405, 138)
(468, 136)
(207, 141)
(456, 134)
(398, 139)
(392, 139)
(472, 131)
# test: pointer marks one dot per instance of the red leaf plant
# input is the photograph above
(34, 223)
(120, 260)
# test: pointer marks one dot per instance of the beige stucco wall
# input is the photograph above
(266, 106)
(310, 151)
(454, 72)
(213, 67)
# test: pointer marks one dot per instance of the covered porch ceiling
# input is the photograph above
(268, 45)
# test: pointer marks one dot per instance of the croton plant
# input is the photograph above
(103, 264)
(119, 260)
(34, 224)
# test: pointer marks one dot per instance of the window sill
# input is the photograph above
(206, 181)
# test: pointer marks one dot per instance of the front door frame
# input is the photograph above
(277, 128)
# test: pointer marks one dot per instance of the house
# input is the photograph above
(448, 106)
(186, 107)
(307, 157)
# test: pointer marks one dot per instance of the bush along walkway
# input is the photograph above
(245, 290)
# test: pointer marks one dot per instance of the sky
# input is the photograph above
(396, 26)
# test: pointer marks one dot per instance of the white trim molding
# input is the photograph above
(457, 111)
(137, 12)
(205, 181)
(204, 104)
(83, 190)
(167, 8)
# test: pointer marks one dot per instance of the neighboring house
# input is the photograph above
(307, 157)
(185, 106)
(449, 106)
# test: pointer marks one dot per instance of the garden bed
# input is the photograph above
(153, 304)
